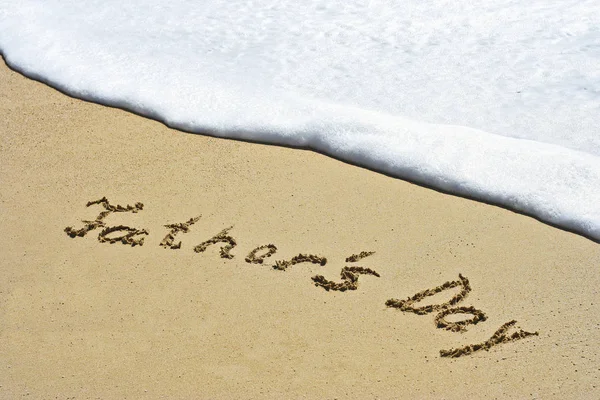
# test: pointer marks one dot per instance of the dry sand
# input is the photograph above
(83, 319)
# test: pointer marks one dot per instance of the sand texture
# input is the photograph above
(142, 262)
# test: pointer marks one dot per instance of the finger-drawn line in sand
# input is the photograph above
(349, 275)
(221, 237)
(128, 238)
(168, 241)
(118, 208)
(499, 337)
(99, 222)
(282, 265)
(88, 226)
(349, 279)
(360, 256)
(459, 326)
(252, 258)
(407, 305)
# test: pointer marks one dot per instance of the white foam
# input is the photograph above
(352, 79)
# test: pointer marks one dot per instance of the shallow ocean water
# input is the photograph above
(495, 100)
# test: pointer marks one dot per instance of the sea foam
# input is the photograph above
(494, 100)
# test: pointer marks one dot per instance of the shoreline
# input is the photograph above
(85, 318)
(572, 225)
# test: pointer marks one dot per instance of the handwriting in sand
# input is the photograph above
(349, 274)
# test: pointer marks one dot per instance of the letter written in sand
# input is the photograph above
(99, 221)
(258, 255)
(407, 305)
(282, 265)
(129, 235)
(169, 241)
(459, 326)
(349, 275)
(499, 337)
(221, 237)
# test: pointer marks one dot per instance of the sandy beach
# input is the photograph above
(86, 319)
